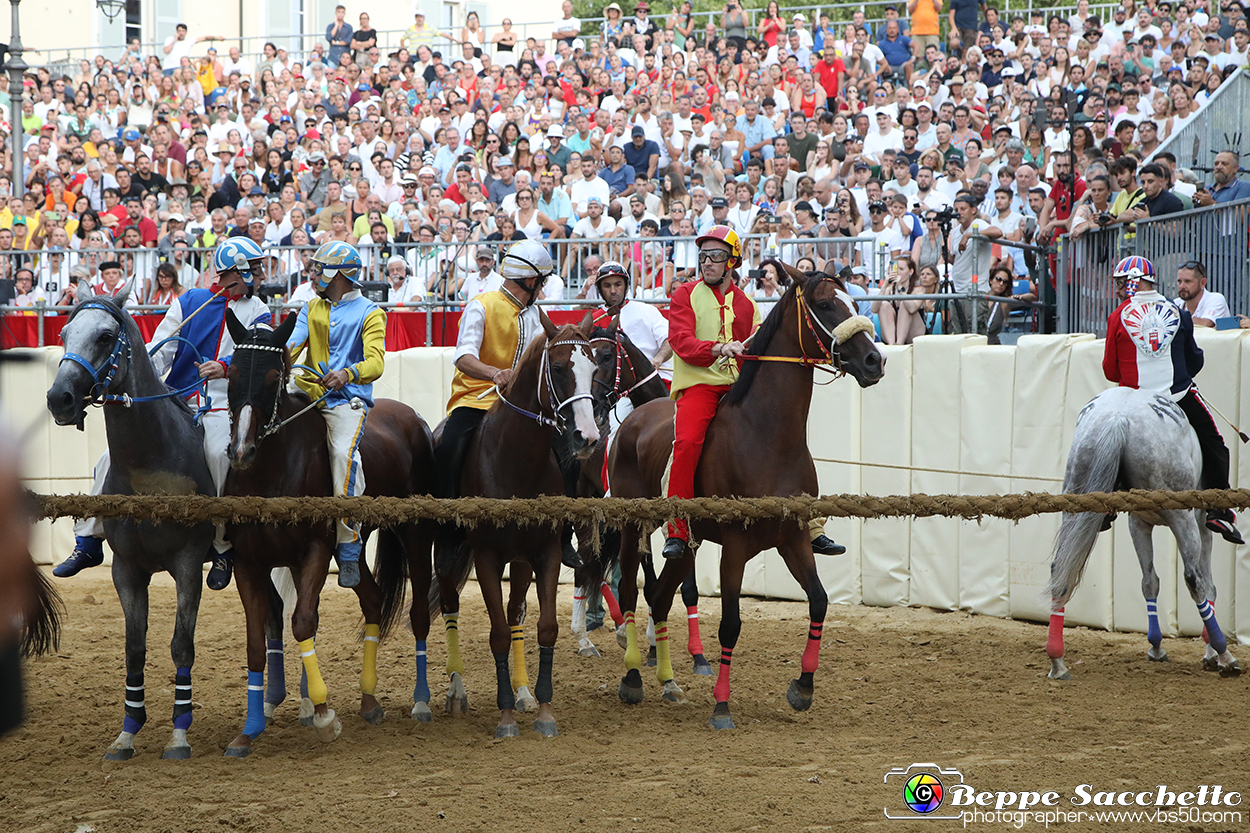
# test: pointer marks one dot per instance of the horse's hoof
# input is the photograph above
(1157, 655)
(546, 728)
(306, 712)
(1210, 664)
(621, 638)
(119, 754)
(374, 716)
(526, 702)
(798, 699)
(1066, 675)
(238, 751)
(702, 667)
(631, 691)
(673, 693)
(651, 659)
(457, 696)
(327, 728)
(1059, 670)
(721, 719)
(512, 731)
(1230, 670)
(176, 753)
(589, 651)
(421, 713)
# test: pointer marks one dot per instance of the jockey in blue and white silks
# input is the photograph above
(1150, 346)
(199, 317)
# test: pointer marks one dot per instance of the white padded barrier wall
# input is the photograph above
(1240, 590)
(984, 568)
(1038, 450)
(885, 437)
(833, 432)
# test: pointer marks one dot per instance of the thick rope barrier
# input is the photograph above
(472, 511)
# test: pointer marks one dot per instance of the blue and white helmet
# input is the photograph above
(237, 253)
(335, 258)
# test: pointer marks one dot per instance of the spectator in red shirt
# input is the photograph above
(830, 72)
(148, 232)
(1058, 206)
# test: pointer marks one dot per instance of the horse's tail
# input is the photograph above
(392, 577)
(1093, 466)
(41, 631)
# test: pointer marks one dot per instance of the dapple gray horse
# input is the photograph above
(156, 448)
(1132, 439)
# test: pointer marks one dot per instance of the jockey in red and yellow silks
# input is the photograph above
(709, 321)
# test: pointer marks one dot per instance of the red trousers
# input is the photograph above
(695, 408)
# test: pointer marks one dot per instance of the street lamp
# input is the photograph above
(111, 8)
(16, 67)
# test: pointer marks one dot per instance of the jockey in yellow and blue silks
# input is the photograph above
(344, 334)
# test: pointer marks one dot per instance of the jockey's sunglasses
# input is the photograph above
(716, 256)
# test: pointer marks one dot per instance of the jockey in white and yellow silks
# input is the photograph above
(344, 334)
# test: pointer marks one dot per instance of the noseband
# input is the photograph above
(829, 360)
(272, 424)
(102, 377)
(555, 420)
(615, 394)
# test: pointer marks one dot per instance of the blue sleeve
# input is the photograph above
(299, 337)
(263, 318)
(629, 175)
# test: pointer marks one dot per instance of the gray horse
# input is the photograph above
(156, 448)
(1133, 439)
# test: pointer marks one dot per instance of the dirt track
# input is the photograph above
(895, 686)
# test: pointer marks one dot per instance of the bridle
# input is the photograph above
(273, 425)
(829, 360)
(544, 372)
(102, 377)
(615, 394)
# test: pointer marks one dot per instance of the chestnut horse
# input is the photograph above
(272, 457)
(511, 456)
(756, 446)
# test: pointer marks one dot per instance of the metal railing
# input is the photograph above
(299, 45)
(1218, 236)
(1219, 125)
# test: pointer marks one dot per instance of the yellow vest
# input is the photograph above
(501, 347)
(714, 321)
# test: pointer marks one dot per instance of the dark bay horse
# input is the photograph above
(272, 458)
(155, 448)
(756, 446)
(511, 456)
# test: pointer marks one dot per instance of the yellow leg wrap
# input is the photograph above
(369, 672)
(455, 665)
(519, 677)
(316, 685)
(633, 659)
(815, 528)
(663, 657)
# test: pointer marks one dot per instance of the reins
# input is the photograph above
(615, 395)
(552, 421)
(829, 361)
(273, 425)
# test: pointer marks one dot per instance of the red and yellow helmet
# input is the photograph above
(727, 236)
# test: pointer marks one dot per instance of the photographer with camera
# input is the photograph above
(1094, 212)
(971, 253)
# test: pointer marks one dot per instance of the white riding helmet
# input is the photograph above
(526, 260)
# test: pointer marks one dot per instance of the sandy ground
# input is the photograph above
(896, 686)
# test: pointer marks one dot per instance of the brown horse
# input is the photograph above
(511, 456)
(756, 446)
(272, 458)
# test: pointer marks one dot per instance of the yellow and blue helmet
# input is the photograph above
(335, 258)
(237, 253)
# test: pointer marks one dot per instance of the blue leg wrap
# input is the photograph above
(136, 712)
(1152, 628)
(1215, 636)
(255, 723)
(349, 551)
(182, 698)
(421, 693)
(275, 690)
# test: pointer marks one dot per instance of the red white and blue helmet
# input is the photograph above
(1134, 269)
(333, 259)
(237, 253)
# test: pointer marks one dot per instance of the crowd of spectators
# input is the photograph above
(832, 141)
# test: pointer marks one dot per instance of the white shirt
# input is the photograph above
(585, 228)
(1211, 306)
(473, 328)
(647, 328)
(405, 292)
(181, 49)
(741, 219)
(475, 284)
(875, 142)
(582, 191)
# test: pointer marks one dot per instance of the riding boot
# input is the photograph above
(88, 552)
(824, 545)
(1223, 521)
(223, 568)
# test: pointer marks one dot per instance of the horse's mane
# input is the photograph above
(764, 335)
(140, 363)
